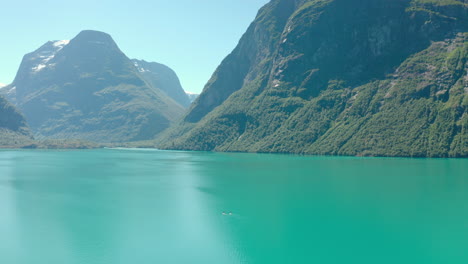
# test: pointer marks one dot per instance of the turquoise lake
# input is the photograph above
(149, 206)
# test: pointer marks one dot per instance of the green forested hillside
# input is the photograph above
(336, 77)
(14, 131)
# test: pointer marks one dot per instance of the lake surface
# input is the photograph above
(148, 206)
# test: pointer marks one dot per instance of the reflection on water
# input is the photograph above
(132, 206)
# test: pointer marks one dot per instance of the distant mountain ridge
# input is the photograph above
(192, 96)
(87, 88)
(164, 78)
(336, 77)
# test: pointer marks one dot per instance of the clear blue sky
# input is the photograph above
(192, 37)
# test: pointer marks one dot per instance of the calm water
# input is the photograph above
(141, 206)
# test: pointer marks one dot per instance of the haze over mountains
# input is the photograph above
(192, 96)
(164, 78)
(336, 77)
(88, 89)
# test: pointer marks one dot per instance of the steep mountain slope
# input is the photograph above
(13, 128)
(164, 78)
(339, 77)
(88, 89)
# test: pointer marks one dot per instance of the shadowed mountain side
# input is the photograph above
(13, 128)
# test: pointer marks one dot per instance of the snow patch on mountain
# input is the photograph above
(12, 90)
(9, 92)
(61, 43)
(39, 67)
(46, 55)
(140, 69)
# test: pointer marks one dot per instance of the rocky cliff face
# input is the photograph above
(88, 89)
(339, 77)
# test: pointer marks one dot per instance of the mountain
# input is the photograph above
(14, 131)
(164, 78)
(339, 77)
(88, 89)
(192, 96)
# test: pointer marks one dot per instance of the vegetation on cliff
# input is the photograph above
(372, 77)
